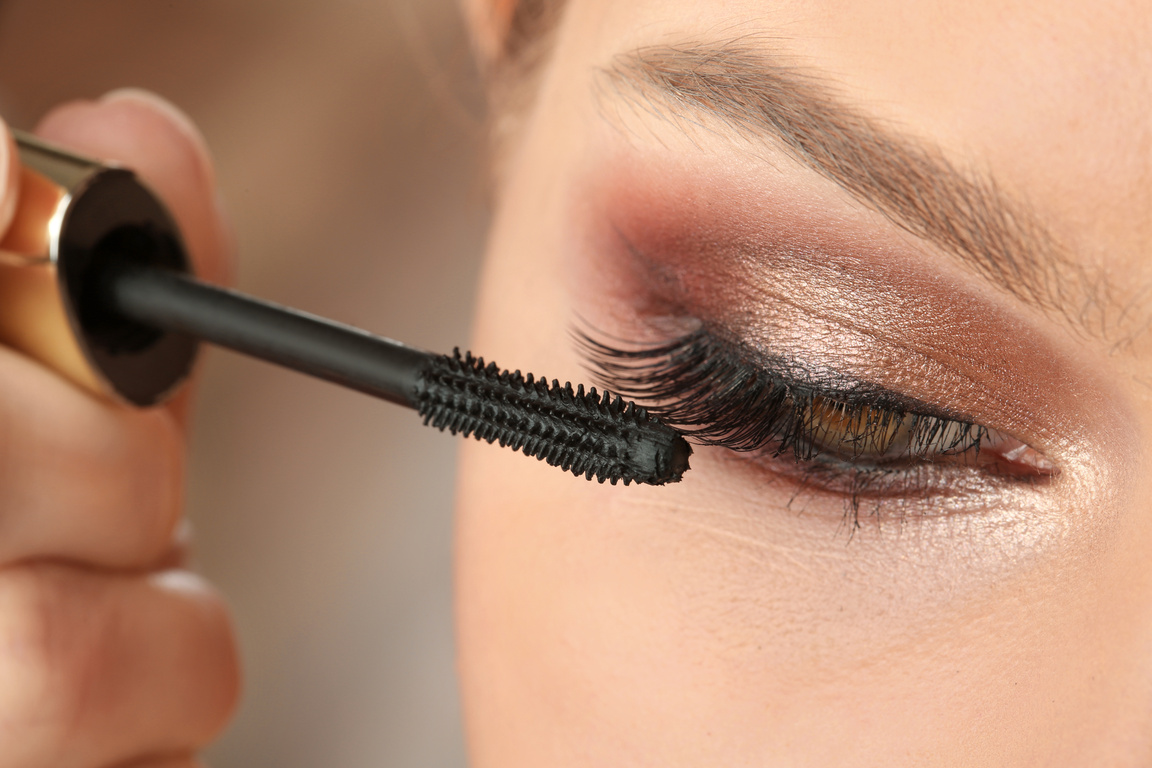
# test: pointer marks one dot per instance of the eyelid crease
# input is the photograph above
(966, 211)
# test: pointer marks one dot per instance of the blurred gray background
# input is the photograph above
(348, 141)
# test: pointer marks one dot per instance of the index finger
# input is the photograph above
(157, 141)
(153, 138)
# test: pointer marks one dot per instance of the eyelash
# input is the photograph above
(848, 437)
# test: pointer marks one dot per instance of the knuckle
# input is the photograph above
(46, 659)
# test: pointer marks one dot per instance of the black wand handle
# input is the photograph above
(597, 435)
(322, 348)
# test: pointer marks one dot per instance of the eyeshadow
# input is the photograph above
(801, 273)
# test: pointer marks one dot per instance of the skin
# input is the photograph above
(735, 619)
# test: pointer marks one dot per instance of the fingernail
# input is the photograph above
(179, 580)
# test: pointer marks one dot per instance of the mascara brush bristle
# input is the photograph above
(597, 435)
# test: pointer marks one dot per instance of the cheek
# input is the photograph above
(602, 629)
(711, 624)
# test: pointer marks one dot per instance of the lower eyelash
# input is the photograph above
(850, 438)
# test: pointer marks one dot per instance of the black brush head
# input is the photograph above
(587, 433)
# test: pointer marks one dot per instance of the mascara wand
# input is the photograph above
(99, 289)
(600, 437)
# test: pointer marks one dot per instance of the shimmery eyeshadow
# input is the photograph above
(792, 272)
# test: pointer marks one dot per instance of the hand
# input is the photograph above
(110, 653)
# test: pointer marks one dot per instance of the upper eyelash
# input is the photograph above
(711, 389)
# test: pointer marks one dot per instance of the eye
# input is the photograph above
(844, 433)
(873, 434)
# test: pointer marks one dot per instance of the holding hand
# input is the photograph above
(110, 654)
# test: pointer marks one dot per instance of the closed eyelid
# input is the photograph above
(767, 257)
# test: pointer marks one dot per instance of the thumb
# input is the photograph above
(9, 178)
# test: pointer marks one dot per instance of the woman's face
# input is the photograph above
(908, 213)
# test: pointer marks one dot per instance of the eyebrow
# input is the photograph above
(907, 180)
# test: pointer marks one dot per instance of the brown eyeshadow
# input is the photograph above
(797, 274)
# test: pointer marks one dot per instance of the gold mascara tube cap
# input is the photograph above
(75, 214)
